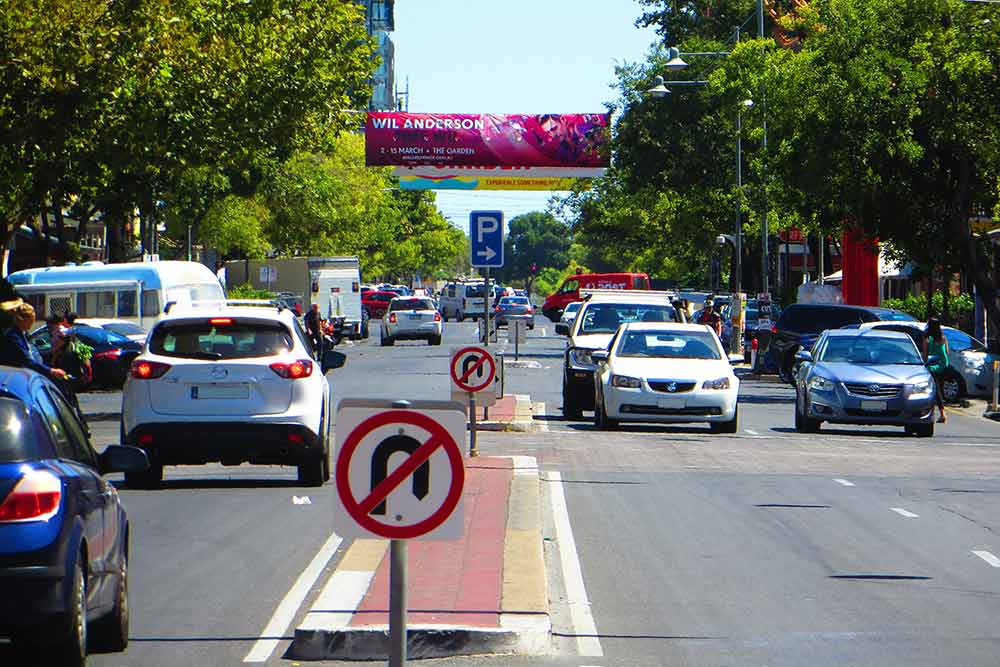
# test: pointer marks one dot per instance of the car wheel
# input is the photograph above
(731, 426)
(459, 316)
(365, 332)
(110, 632)
(787, 367)
(71, 649)
(150, 478)
(952, 387)
(387, 341)
(571, 409)
(799, 425)
(434, 340)
(601, 420)
(922, 430)
(311, 469)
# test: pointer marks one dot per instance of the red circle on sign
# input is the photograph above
(458, 378)
(438, 432)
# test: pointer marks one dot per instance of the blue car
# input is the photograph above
(865, 376)
(64, 536)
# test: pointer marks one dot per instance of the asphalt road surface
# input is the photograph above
(854, 546)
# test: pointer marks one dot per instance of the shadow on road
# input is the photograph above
(219, 483)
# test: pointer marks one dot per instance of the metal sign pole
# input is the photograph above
(473, 449)
(517, 339)
(486, 310)
(397, 603)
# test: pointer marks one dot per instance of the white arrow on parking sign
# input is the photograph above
(489, 253)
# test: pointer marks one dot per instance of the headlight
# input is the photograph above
(625, 382)
(921, 389)
(581, 358)
(821, 384)
(721, 383)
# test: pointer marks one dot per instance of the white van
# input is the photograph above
(337, 290)
(137, 292)
(463, 299)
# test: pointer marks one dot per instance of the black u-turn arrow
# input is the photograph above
(380, 466)
(468, 362)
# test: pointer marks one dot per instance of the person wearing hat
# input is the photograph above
(16, 349)
(711, 318)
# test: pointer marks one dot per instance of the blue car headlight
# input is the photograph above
(820, 383)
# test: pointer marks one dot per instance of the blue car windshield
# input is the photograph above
(17, 439)
(869, 350)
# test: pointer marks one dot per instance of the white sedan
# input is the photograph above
(411, 318)
(665, 372)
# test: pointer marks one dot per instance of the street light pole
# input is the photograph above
(764, 263)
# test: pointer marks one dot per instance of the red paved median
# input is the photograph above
(455, 582)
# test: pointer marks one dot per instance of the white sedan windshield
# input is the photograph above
(669, 345)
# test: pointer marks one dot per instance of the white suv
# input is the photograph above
(229, 384)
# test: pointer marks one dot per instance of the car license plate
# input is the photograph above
(220, 391)
(670, 403)
(416, 317)
(873, 406)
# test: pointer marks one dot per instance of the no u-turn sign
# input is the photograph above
(399, 471)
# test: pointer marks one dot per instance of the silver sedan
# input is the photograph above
(411, 318)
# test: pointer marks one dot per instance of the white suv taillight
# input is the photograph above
(148, 370)
(295, 370)
(35, 498)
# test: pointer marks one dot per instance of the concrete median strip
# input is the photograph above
(483, 594)
(521, 420)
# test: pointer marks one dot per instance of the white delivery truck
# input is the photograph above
(332, 282)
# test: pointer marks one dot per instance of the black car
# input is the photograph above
(64, 535)
(801, 324)
(113, 353)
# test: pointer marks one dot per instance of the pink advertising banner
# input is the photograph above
(486, 140)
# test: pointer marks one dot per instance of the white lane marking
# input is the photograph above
(304, 500)
(988, 557)
(544, 332)
(751, 431)
(540, 414)
(524, 465)
(587, 642)
(843, 482)
(901, 512)
(340, 598)
(285, 613)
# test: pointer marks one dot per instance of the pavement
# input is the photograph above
(483, 593)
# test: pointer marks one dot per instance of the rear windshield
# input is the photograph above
(124, 328)
(604, 318)
(17, 441)
(475, 290)
(514, 301)
(239, 340)
(411, 304)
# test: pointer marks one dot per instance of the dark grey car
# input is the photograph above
(864, 377)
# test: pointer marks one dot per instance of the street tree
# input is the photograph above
(535, 241)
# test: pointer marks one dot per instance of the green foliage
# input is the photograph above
(917, 305)
(247, 291)
(236, 223)
(534, 239)
(549, 279)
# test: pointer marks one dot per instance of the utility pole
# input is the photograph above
(765, 264)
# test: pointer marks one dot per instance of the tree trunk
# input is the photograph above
(975, 263)
(930, 295)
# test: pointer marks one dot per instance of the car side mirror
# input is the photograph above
(562, 329)
(332, 360)
(804, 355)
(600, 356)
(735, 359)
(933, 360)
(122, 458)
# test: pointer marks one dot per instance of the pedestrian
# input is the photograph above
(57, 334)
(936, 345)
(314, 328)
(17, 350)
(711, 318)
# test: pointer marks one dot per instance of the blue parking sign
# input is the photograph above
(486, 234)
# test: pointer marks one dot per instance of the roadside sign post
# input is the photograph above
(473, 371)
(420, 498)
(486, 235)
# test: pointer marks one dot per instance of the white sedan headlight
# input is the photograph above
(921, 389)
(625, 382)
(818, 383)
(721, 383)
(581, 357)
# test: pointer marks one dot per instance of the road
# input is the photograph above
(855, 546)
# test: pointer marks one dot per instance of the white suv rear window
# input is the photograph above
(208, 340)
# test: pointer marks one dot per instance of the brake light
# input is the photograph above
(108, 354)
(774, 328)
(295, 438)
(221, 321)
(148, 370)
(35, 498)
(437, 317)
(295, 370)
(392, 318)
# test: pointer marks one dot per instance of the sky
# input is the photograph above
(512, 56)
